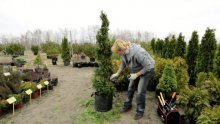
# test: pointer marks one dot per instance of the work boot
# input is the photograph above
(125, 109)
(138, 116)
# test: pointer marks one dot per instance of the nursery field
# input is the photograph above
(60, 105)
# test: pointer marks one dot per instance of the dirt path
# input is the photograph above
(57, 106)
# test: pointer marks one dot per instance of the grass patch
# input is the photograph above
(90, 115)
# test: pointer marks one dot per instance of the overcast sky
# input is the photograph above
(158, 16)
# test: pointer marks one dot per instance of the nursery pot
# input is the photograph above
(35, 94)
(1, 112)
(54, 81)
(66, 63)
(92, 59)
(54, 60)
(38, 70)
(19, 105)
(103, 103)
(50, 86)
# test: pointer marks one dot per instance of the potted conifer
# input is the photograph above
(3, 107)
(167, 83)
(53, 53)
(89, 50)
(65, 53)
(38, 62)
(35, 49)
(19, 100)
(15, 49)
(101, 80)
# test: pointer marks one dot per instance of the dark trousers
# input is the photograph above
(140, 84)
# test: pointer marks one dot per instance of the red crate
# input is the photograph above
(171, 117)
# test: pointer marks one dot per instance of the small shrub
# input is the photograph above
(167, 83)
(210, 116)
(35, 49)
(15, 49)
(65, 51)
(28, 85)
(18, 97)
(38, 61)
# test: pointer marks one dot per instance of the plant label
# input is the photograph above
(39, 86)
(7, 74)
(11, 100)
(28, 91)
(46, 82)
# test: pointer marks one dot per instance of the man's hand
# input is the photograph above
(133, 76)
(114, 76)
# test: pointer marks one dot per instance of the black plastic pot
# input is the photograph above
(66, 63)
(54, 81)
(103, 103)
(50, 87)
(54, 60)
(1, 112)
(79, 65)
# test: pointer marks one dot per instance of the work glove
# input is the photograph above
(114, 76)
(133, 76)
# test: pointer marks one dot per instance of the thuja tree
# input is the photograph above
(207, 51)
(165, 48)
(65, 53)
(38, 60)
(171, 47)
(101, 80)
(167, 82)
(152, 43)
(35, 49)
(192, 52)
(15, 49)
(209, 116)
(180, 48)
(217, 63)
(159, 46)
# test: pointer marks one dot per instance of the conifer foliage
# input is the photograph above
(65, 50)
(180, 48)
(217, 63)
(170, 48)
(167, 82)
(152, 43)
(207, 51)
(101, 79)
(192, 56)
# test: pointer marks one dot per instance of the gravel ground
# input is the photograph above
(57, 106)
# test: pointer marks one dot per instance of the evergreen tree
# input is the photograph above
(101, 79)
(207, 51)
(65, 54)
(171, 48)
(35, 49)
(217, 63)
(38, 60)
(153, 44)
(159, 46)
(167, 82)
(165, 48)
(192, 52)
(180, 48)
